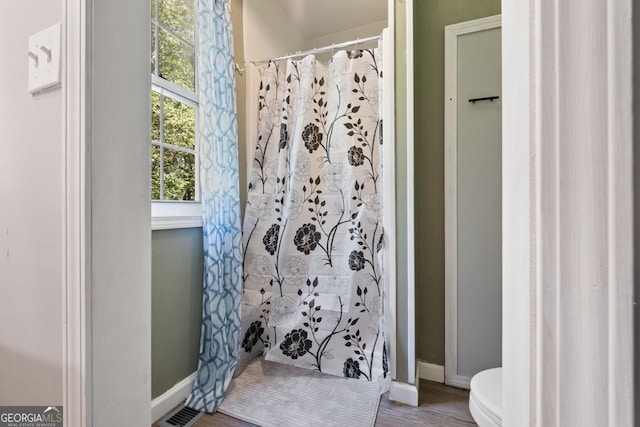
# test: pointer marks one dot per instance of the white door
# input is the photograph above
(473, 199)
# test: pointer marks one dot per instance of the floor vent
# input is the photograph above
(181, 417)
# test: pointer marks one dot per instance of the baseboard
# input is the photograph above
(403, 393)
(431, 372)
(171, 398)
(459, 381)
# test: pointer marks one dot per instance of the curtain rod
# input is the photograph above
(319, 49)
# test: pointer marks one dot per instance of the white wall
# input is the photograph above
(120, 214)
(268, 31)
(369, 30)
(31, 200)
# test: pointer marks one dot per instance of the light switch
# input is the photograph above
(44, 56)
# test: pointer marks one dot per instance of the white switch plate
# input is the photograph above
(44, 73)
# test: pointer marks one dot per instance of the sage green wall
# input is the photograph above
(430, 18)
(176, 306)
(402, 296)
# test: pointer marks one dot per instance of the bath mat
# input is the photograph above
(272, 394)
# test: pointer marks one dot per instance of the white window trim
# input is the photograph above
(174, 91)
(166, 215)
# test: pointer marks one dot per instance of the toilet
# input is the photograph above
(485, 398)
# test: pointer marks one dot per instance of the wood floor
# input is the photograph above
(440, 406)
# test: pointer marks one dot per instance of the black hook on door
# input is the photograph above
(488, 98)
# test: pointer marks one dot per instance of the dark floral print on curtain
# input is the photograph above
(313, 223)
(255, 317)
(252, 336)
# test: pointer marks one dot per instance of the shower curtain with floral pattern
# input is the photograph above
(312, 235)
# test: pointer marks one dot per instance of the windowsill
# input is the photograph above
(171, 215)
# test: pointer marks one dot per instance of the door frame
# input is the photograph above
(76, 208)
(549, 123)
(451, 34)
(106, 261)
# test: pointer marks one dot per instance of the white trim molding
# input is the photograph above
(430, 372)
(404, 393)
(459, 381)
(517, 223)
(176, 395)
(170, 215)
(76, 321)
(411, 248)
(451, 34)
(567, 213)
(389, 191)
(174, 222)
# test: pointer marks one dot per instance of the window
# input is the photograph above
(174, 103)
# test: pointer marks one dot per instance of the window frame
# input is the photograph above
(173, 214)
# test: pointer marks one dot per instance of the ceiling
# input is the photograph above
(317, 18)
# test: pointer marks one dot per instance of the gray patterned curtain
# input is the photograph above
(221, 230)
(312, 235)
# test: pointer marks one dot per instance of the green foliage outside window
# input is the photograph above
(173, 172)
